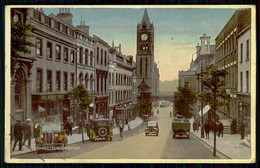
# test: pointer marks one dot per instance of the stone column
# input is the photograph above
(28, 100)
(12, 95)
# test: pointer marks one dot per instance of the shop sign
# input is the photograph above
(51, 97)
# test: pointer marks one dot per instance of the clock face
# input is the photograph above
(144, 37)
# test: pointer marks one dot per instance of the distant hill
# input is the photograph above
(169, 86)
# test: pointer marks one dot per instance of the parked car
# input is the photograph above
(152, 128)
(53, 137)
(102, 129)
(180, 126)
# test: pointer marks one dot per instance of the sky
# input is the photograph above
(176, 31)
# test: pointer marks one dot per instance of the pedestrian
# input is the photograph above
(66, 127)
(121, 129)
(18, 134)
(194, 126)
(37, 130)
(88, 128)
(27, 132)
(207, 129)
(242, 130)
(80, 127)
(220, 129)
(215, 127)
(70, 125)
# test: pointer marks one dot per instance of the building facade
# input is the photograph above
(145, 57)
(244, 77)
(102, 67)
(227, 58)
(123, 85)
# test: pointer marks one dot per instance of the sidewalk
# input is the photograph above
(230, 145)
(71, 139)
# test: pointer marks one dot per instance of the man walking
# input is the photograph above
(27, 132)
(37, 130)
(18, 134)
(220, 129)
(121, 129)
(207, 129)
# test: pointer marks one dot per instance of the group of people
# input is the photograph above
(217, 127)
(21, 133)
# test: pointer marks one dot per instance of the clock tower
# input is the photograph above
(145, 56)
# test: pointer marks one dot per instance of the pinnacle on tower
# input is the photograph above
(145, 20)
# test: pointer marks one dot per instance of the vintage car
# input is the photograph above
(102, 129)
(180, 126)
(53, 138)
(152, 127)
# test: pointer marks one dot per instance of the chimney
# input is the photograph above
(65, 15)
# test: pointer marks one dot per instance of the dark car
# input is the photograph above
(102, 129)
(152, 128)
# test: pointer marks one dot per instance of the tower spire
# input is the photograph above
(145, 20)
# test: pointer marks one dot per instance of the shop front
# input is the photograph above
(101, 107)
(50, 108)
(244, 111)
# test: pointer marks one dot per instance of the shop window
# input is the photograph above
(65, 54)
(49, 80)
(49, 50)
(39, 80)
(39, 47)
(58, 52)
(65, 81)
(58, 80)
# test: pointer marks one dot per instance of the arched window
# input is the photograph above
(86, 80)
(81, 78)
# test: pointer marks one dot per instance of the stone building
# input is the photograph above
(244, 77)
(227, 57)
(145, 57)
(101, 80)
(52, 75)
(123, 107)
(205, 57)
(86, 63)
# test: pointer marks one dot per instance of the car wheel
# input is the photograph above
(102, 132)
(173, 136)
(146, 134)
(157, 134)
(110, 138)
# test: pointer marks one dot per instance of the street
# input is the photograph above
(136, 145)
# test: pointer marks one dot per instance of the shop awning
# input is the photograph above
(41, 109)
(205, 110)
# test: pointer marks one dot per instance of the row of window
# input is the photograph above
(122, 95)
(58, 52)
(231, 77)
(102, 85)
(89, 57)
(247, 82)
(57, 25)
(88, 81)
(102, 57)
(123, 79)
(49, 80)
(242, 51)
